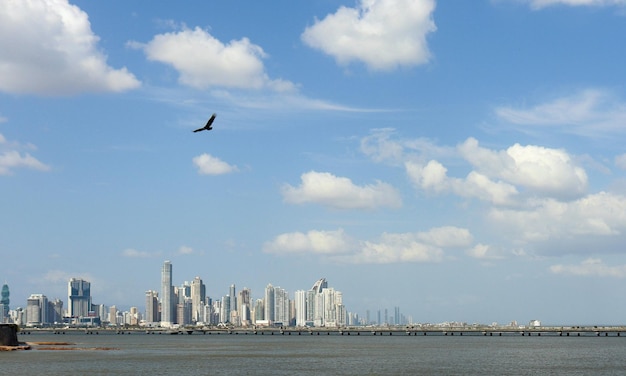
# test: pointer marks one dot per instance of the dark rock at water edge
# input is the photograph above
(8, 335)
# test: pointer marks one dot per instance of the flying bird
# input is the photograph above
(208, 126)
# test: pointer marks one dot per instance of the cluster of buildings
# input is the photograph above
(189, 304)
(41, 311)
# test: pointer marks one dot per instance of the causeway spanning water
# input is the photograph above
(150, 354)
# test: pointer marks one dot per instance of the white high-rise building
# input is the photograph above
(325, 305)
(198, 292)
(225, 309)
(281, 306)
(244, 304)
(269, 304)
(37, 310)
(167, 295)
(301, 307)
(152, 307)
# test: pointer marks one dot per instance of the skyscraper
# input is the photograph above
(300, 298)
(37, 309)
(167, 292)
(55, 311)
(4, 304)
(281, 306)
(225, 309)
(325, 305)
(233, 298)
(78, 298)
(269, 303)
(259, 310)
(113, 315)
(152, 306)
(320, 285)
(198, 293)
(244, 304)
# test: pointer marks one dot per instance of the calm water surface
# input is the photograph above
(197, 354)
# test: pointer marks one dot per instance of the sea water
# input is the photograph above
(197, 354)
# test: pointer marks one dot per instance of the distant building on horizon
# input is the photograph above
(55, 311)
(152, 307)
(36, 310)
(198, 296)
(167, 295)
(78, 298)
(244, 302)
(320, 306)
(4, 304)
(269, 304)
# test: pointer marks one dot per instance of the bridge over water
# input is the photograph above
(570, 331)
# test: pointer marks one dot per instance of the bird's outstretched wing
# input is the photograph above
(210, 121)
(207, 126)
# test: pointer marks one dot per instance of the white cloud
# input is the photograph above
(315, 242)
(432, 177)
(203, 61)
(484, 252)
(425, 246)
(210, 165)
(542, 171)
(539, 4)
(184, 250)
(535, 198)
(12, 159)
(340, 193)
(394, 248)
(588, 112)
(600, 214)
(47, 47)
(390, 248)
(384, 34)
(380, 147)
(446, 237)
(133, 253)
(59, 276)
(499, 175)
(590, 268)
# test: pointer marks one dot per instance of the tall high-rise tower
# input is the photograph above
(281, 306)
(244, 304)
(198, 295)
(300, 302)
(37, 309)
(152, 306)
(4, 304)
(233, 298)
(167, 292)
(78, 298)
(320, 285)
(269, 303)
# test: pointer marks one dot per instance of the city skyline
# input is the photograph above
(188, 304)
(461, 160)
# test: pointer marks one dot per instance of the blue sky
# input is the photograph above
(462, 160)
